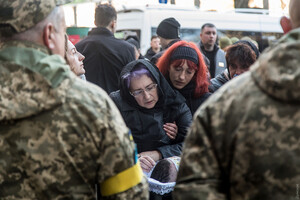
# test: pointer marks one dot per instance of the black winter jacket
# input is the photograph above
(155, 58)
(105, 56)
(150, 53)
(147, 124)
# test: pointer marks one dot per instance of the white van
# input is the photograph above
(143, 21)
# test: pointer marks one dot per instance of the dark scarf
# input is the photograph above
(167, 96)
(187, 91)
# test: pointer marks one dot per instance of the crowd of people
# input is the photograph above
(98, 120)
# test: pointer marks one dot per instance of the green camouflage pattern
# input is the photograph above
(244, 143)
(58, 136)
(24, 14)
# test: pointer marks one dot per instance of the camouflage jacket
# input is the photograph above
(244, 143)
(58, 135)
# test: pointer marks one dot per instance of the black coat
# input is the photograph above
(147, 124)
(105, 56)
(150, 53)
(155, 58)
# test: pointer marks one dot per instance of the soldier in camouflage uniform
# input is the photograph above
(244, 143)
(59, 136)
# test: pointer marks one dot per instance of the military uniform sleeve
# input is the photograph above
(199, 175)
(119, 158)
(106, 154)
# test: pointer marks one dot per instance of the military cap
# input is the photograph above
(20, 15)
(224, 42)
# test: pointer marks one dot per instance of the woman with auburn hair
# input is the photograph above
(184, 68)
(239, 57)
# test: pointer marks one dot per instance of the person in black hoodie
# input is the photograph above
(184, 68)
(156, 114)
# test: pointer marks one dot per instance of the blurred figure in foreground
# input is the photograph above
(58, 137)
(244, 141)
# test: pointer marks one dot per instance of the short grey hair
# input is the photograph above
(55, 17)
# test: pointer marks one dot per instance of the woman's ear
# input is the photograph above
(48, 36)
(285, 24)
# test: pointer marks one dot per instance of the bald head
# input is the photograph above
(294, 13)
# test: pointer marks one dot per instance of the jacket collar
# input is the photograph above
(25, 44)
(31, 80)
(101, 31)
(172, 42)
(37, 58)
(202, 48)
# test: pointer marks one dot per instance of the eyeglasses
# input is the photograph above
(149, 88)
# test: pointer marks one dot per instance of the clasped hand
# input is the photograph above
(171, 130)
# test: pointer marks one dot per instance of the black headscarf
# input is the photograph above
(167, 96)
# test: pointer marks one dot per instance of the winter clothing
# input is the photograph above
(18, 16)
(168, 28)
(134, 43)
(187, 53)
(150, 53)
(59, 135)
(155, 58)
(224, 42)
(217, 61)
(105, 56)
(188, 93)
(147, 124)
(244, 141)
(218, 81)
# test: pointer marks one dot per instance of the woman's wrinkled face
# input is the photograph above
(180, 76)
(144, 91)
(75, 59)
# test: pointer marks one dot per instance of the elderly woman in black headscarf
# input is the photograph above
(156, 114)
